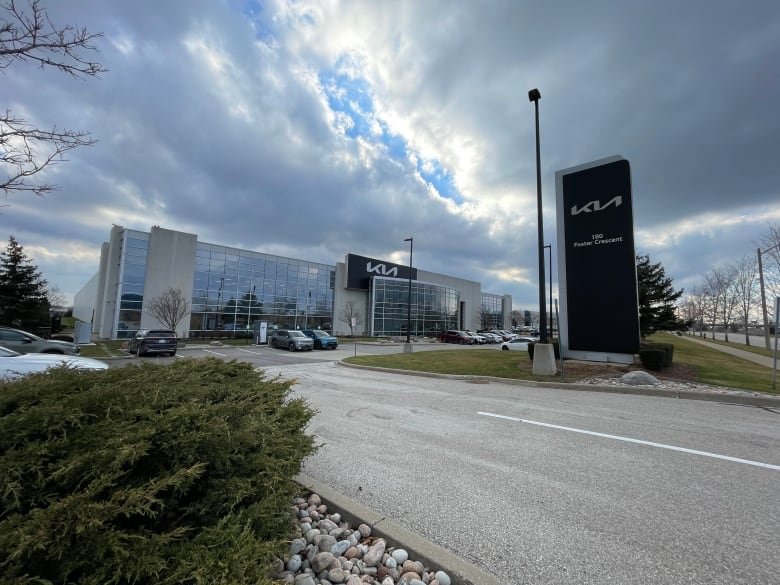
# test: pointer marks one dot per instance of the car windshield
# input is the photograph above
(318, 333)
(158, 333)
(296, 334)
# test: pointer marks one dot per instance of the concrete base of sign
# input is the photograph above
(544, 360)
(407, 348)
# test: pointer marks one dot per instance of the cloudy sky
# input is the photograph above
(311, 129)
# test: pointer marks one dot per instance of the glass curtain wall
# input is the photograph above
(232, 289)
(135, 246)
(434, 307)
(491, 314)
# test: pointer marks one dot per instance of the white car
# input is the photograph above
(15, 365)
(519, 343)
(478, 337)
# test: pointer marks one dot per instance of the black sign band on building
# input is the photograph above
(360, 269)
(597, 262)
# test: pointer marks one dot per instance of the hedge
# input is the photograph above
(668, 349)
(156, 474)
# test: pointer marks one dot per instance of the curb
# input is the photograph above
(727, 396)
(431, 555)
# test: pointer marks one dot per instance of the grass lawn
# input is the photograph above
(701, 364)
(718, 368)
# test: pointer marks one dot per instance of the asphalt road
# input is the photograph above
(570, 487)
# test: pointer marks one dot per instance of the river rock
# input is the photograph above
(340, 547)
(297, 545)
(304, 579)
(321, 561)
(443, 578)
(326, 542)
(365, 530)
(400, 556)
(294, 563)
(374, 553)
(314, 500)
(338, 575)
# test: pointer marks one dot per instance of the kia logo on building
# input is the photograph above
(381, 269)
(596, 206)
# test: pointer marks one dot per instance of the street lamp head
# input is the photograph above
(408, 239)
(534, 95)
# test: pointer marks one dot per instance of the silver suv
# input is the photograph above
(23, 342)
(291, 339)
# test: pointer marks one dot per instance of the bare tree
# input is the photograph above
(28, 35)
(746, 289)
(55, 296)
(169, 308)
(770, 242)
(350, 315)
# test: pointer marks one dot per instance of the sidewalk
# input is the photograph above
(740, 353)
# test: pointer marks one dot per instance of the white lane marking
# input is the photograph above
(215, 352)
(249, 351)
(636, 441)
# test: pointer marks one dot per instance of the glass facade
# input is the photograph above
(233, 288)
(434, 307)
(491, 313)
(135, 246)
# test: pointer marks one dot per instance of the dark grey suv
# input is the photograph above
(291, 339)
(153, 341)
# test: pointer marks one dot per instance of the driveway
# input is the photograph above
(542, 485)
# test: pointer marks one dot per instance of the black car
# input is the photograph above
(322, 340)
(153, 341)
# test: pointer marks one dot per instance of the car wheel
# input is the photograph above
(291, 347)
(273, 343)
(173, 353)
(504, 348)
(139, 351)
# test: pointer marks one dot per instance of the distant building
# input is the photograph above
(232, 289)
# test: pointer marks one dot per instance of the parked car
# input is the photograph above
(15, 365)
(520, 343)
(291, 339)
(153, 341)
(478, 337)
(322, 339)
(492, 337)
(455, 336)
(23, 342)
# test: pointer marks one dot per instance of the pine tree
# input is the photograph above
(657, 298)
(23, 293)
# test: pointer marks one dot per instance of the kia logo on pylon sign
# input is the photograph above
(596, 205)
(360, 271)
(381, 269)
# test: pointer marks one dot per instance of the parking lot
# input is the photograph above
(262, 356)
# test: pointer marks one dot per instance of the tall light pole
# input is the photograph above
(763, 293)
(552, 326)
(409, 300)
(534, 96)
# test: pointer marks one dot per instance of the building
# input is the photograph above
(233, 290)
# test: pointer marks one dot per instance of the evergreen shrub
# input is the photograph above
(668, 349)
(160, 474)
(652, 358)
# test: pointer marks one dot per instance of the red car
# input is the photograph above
(454, 336)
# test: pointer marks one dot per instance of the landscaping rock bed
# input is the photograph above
(328, 551)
